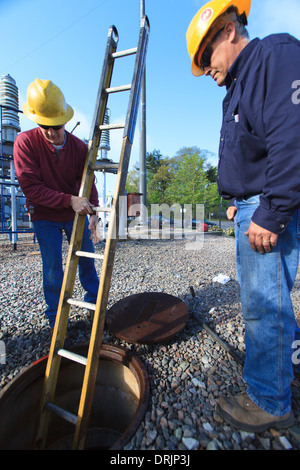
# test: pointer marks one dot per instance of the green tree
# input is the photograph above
(190, 184)
(160, 182)
(132, 182)
(159, 176)
(153, 162)
(186, 178)
(211, 173)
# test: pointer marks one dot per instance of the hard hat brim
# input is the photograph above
(196, 70)
(49, 121)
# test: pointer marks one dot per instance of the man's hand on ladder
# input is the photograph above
(81, 205)
(93, 228)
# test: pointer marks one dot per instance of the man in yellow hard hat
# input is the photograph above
(259, 171)
(49, 163)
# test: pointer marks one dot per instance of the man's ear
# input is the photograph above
(230, 31)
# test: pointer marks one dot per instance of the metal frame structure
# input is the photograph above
(6, 155)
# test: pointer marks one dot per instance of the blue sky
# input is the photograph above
(64, 40)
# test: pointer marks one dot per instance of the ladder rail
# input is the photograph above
(110, 248)
(137, 79)
(60, 328)
(56, 348)
(99, 112)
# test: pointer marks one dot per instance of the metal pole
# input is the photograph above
(104, 205)
(13, 205)
(2, 168)
(143, 152)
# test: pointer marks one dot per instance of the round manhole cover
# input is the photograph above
(149, 317)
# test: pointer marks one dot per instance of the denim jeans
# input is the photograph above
(266, 281)
(49, 235)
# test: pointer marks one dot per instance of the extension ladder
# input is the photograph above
(57, 351)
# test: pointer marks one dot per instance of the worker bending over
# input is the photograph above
(49, 164)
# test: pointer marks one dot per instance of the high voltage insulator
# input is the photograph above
(105, 137)
(9, 99)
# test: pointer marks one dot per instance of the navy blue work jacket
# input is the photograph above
(260, 137)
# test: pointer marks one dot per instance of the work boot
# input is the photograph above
(242, 413)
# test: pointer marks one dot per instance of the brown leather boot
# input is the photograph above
(242, 413)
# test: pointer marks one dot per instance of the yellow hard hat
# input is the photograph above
(46, 104)
(205, 22)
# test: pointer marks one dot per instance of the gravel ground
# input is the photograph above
(188, 373)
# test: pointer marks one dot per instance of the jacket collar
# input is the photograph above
(48, 144)
(239, 63)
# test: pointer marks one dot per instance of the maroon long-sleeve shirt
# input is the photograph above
(49, 181)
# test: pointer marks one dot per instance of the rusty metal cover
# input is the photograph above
(149, 317)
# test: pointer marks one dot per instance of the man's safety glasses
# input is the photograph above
(206, 56)
(55, 128)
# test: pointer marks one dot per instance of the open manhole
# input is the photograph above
(120, 402)
(149, 317)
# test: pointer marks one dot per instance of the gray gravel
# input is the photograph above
(187, 373)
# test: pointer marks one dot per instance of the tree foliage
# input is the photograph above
(186, 178)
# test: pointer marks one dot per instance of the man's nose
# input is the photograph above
(51, 132)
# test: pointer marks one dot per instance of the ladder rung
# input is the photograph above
(81, 417)
(101, 209)
(108, 127)
(82, 304)
(117, 55)
(104, 166)
(66, 415)
(117, 89)
(87, 254)
(72, 356)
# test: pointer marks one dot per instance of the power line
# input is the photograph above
(54, 37)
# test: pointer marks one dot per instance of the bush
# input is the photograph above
(230, 232)
(214, 228)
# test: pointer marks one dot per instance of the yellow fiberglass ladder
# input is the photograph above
(57, 351)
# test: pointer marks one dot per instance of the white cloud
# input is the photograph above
(269, 17)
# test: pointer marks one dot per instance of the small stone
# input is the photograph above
(190, 443)
(203, 439)
(214, 445)
(265, 442)
(247, 435)
(285, 443)
(188, 374)
(184, 365)
(197, 383)
(236, 436)
(178, 433)
(208, 427)
(151, 436)
(295, 432)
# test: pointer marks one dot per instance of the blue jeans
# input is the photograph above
(266, 281)
(49, 235)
